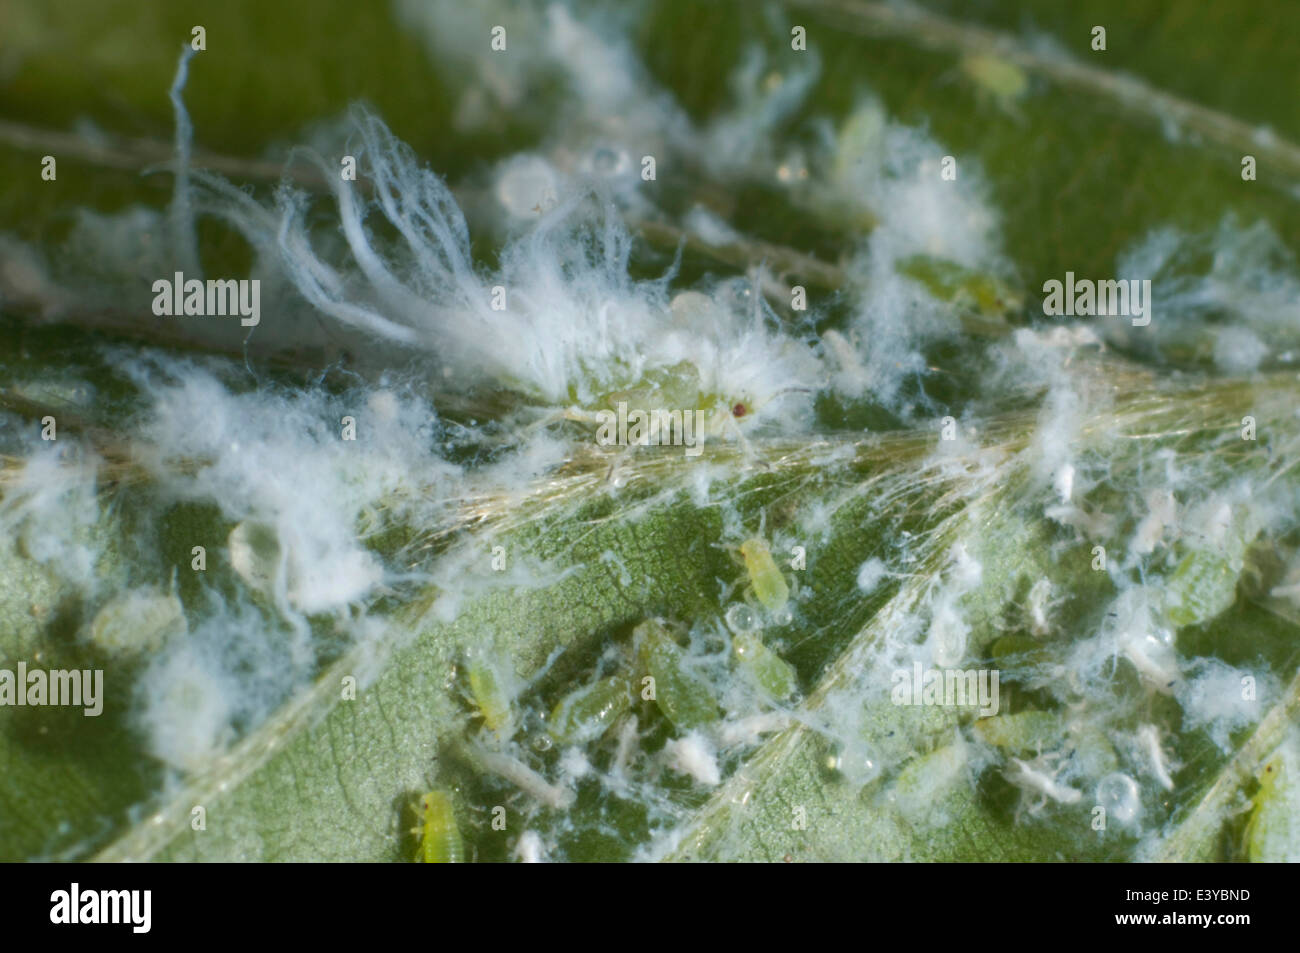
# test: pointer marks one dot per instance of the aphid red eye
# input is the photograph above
(739, 410)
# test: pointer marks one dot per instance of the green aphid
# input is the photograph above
(685, 700)
(676, 386)
(1023, 731)
(859, 153)
(493, 703)
(772, 673)
(998, 80)
(1091, 752)
(141, 620)
(440, 840)
(1273, 830)
(927, 780)
(983, 299)
(1203, 585)
(764, 575)
(588, 712)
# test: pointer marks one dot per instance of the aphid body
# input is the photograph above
(983, 299)
(769, 671)
(440, 840)
(487, 687)
(686, 700)
(997, 79)
(673, 407)
(764, 576)
(1023, 731)
(589, 711)
(1203, 586)
(1272, 833)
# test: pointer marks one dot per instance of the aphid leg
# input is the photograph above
(555, 416)
(734, 552)
(747, 593)
(417, 809)
(571, 414)
(417, 831)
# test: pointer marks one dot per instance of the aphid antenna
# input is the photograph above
(551, 416)
(794, 389)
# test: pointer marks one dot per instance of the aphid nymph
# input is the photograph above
(439, 837)
(764, 576)
(490, 688)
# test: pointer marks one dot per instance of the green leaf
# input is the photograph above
(1085, 153)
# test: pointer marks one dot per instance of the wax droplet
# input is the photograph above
(741, 618)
